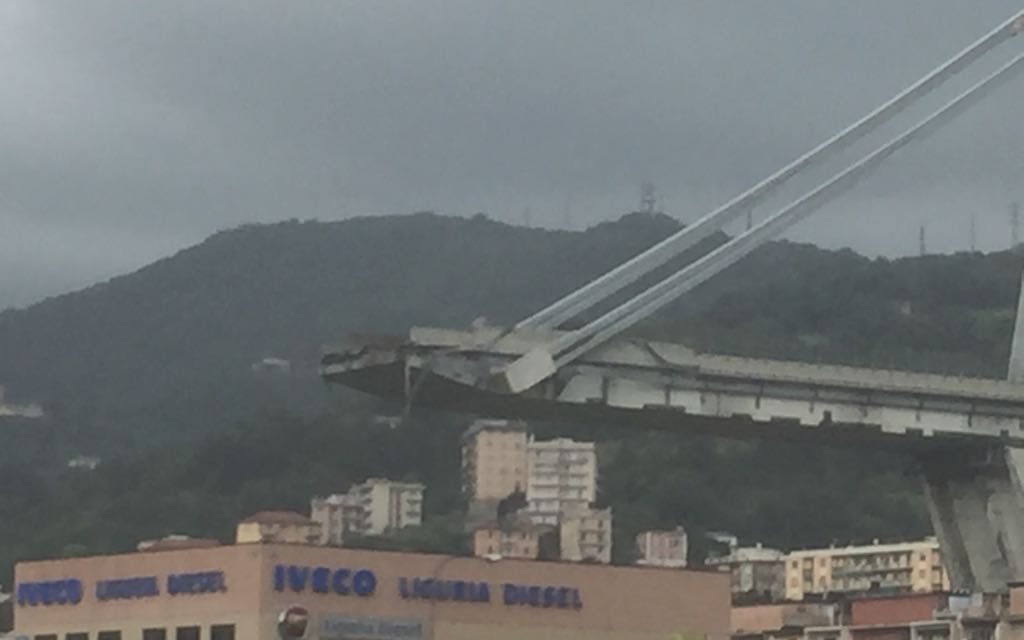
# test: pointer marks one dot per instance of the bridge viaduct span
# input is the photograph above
(968, 433)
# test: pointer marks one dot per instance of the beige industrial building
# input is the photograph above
(240, 592)
(901, 567)
(662, 548)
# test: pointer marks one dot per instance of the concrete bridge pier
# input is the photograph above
(976, 501)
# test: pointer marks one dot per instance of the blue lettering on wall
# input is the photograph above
(321, 578)
(441, 590)
(361, 582)
(339, 582)
(541, 596)
(53, 592)
(364, 583)
(297, 577)
(127, 588)
(196, 583)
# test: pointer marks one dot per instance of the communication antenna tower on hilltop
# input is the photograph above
(648, 201)
(922, 247)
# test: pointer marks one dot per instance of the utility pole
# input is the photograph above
(974, 232)
(922, 248)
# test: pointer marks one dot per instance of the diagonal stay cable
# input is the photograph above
(574, 344)
(630, 271)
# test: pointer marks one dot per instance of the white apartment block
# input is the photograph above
(371, 508)
(585, 535)
(385, 505)
(337, 515)
(662, 548)
(494, 459)
(562, 477)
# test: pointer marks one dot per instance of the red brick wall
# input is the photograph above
(895, 609)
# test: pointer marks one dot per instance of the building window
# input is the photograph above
(108, 635)
(76, 636)
(154, 634)
(222, 632)
(187, 633)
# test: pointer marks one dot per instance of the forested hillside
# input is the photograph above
(164, 353)
(152, 372)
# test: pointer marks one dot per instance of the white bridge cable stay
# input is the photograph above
(630, 271)
(573, 344)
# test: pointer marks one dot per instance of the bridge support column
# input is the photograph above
(976, 500)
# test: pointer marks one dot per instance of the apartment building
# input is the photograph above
(385, 505)
(905, 567)
(662, 548)
(562, 477)
(494, 461)
(370, 508)
(756, 572)
(337, 515)
(585, 534)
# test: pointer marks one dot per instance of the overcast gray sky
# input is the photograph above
(130, 130)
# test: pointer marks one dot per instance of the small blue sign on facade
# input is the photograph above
(341, 627)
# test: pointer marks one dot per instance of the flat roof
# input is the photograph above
(866, 549)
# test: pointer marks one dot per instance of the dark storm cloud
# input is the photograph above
(131, 128)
